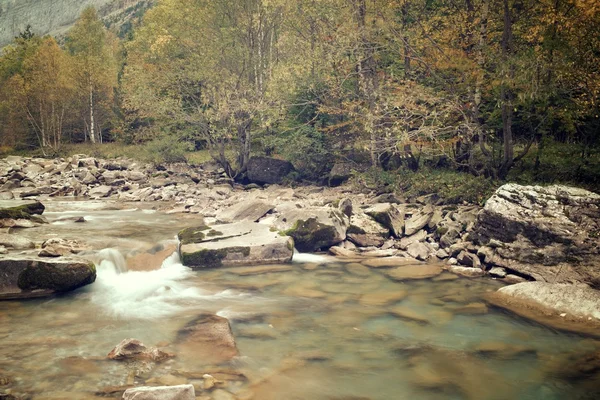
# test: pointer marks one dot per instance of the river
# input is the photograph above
(319, 330)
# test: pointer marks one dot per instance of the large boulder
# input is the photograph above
(549, 233)
(268, 170)
(563, 306)
(242, 243)
(208, 338)
(313, 228)
(29, 276)
(340, 173)
(388, 215)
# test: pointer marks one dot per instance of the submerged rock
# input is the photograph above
(209, 338)
(547, 233)
(16, 242)
(412, 272)
(29, 276)
(180, 392)
(243, 243)
(133, 349)
(563, 306)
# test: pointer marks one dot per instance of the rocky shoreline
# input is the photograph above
(524, 233)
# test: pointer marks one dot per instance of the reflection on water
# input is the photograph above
(319, 330)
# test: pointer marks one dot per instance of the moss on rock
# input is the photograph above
(193, 235)
(58, 276)
(211, 258)
(25, 211)
(311, 235)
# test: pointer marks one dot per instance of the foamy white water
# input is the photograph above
(143, 294)
(312, 258)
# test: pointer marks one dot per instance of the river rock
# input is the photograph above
(243, 243)
(388, 215)
(468, 259)
(418, 250)
(56, 247)
(547, 233)
(418, 220)
(208, 338)
(20, 209)
(340, 173)
(133, 349)
(413, 272)
(498, 272)
(363, 224)
(268, 170)
(180, 392)
(12, 241)
(384, 262)
(245, 211)
(101, 191)
(28, 276)
(563, 306)
(467, 272)
(313, 228)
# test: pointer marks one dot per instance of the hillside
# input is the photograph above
(56, 16)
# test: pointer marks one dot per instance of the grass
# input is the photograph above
(144, 153)
(560, 163)
(451, 187)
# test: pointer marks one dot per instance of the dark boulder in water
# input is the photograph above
(30, 276)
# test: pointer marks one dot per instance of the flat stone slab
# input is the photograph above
(413, 272)
(30, 276)
(251, 211)
(562, 306)
(390, 262)
(244, 243)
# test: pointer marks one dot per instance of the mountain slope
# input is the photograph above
(56, 16)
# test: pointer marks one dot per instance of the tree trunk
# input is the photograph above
(244, 139)
(92, 128)
(506, 95)
(405, 39)
(367, 79)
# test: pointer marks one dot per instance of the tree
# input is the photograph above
(45, 88)
(94, 51)
(208, 74)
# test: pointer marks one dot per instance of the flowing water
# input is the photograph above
(314, 332)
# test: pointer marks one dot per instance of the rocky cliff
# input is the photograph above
(55, 16)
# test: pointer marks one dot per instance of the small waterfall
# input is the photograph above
(112, 258)
(142, 294)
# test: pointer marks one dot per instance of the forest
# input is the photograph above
(489, 89)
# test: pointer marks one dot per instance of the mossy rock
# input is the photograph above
(194, 235)
(28, 210)
(59, 276)
(212, 258)
(311, 235)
